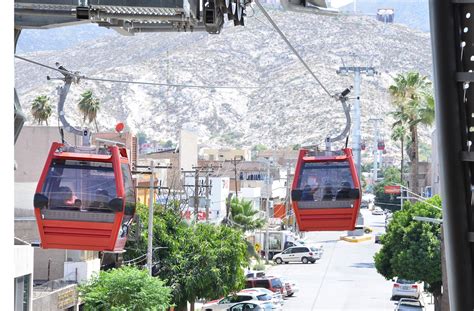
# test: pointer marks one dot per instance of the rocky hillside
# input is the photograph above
(290, 107)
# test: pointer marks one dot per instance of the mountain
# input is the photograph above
(289, 108)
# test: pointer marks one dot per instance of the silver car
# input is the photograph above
(405, 288)
(277, 298)
(302, 254)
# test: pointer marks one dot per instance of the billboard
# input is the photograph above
(392, 189)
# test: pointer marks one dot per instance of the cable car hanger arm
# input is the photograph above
(343, 99)
(69, 77)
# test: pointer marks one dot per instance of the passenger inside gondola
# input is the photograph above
(343, 192)
(328, 194)
(64, 198)
(307, 194)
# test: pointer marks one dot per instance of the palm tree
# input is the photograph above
(412, 97)
(41, 109)
(399, 132)
(244, 215)
(89, 106)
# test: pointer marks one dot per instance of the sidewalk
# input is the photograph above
(428, 301)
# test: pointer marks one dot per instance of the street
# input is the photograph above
(344, 278)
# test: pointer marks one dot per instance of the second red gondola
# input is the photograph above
(326, 191)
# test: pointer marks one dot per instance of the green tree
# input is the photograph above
(391, 176)
(196, 261)
(399, 133)
(411, 249)
(244, 215)
(412, 97)
(126, 288)
(259, 147)
(41, 109)
(89, 106)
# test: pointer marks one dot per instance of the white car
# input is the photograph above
(377, 211)
(254, 305)
(290, 286)
(302, 254)
(409, 304)
(406, 288)
(277, 298)
(227, 302)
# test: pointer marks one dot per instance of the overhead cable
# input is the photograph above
(141, 82)
(282, 35)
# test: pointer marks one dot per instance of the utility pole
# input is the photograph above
(149, 255)
(207, 197)
(197, 188)
(267, 212)
(196, 195)
(150, 170)
(376, 150)
(235, 174)
(287, 200)
(357, 71)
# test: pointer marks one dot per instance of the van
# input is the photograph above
(269, 282)
(302, 254)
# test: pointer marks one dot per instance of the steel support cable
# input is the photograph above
(282, 35)
(141, 82)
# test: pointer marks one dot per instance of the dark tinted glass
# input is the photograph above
(325, 185)
(80, 185)
(276, 283)
(264, 297)
(262, 283)
(129, 190)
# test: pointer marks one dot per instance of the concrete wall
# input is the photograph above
(188, 153)
(59, 299)
(31, 150)
(225, 154)
(23, 257)
(81, 271)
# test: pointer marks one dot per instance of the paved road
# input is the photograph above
(344, 279)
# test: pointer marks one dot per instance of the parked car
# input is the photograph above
(377, 211)
(377, 237)
(409, 304)
(302, 254)
(290, 287)
(254, 306)
(277, 297)
(254, 274)
(227, 302)
(269, 282)
(406, 288)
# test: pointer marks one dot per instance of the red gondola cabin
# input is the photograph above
(381, 145)
(85, 200)
(326, 192)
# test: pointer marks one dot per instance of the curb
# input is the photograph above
(356, 239)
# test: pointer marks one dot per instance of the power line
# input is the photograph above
(83, 77)
(282, 35)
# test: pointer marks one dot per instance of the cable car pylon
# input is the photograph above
(85, 199)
